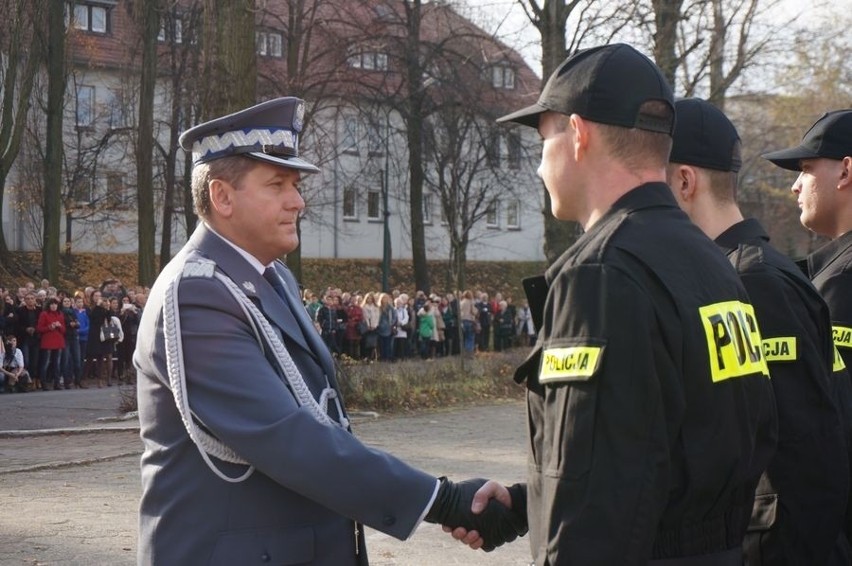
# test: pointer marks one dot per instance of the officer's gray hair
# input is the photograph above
(229, 169)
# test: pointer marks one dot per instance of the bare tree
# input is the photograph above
(56, 79)
(147, 17)
(21, 49)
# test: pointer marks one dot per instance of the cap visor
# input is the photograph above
(789, 158)
(291, 162)
(526, 116)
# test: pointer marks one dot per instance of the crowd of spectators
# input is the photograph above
(394, 326)
(55, 339)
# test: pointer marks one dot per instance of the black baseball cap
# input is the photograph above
(606, 84)
(830, 137)
(268, 132)
(704, 137)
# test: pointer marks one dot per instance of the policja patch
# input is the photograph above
(733, 340)
(780, 349)
(570, 363)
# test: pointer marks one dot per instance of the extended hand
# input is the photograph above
(513, 497)
(494, 522)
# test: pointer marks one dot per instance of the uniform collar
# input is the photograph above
(747, 230)
(827, 254)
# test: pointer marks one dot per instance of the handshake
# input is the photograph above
(496, 524)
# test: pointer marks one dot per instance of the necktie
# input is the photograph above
(276, 283)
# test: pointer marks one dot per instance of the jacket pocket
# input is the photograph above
(264, 547)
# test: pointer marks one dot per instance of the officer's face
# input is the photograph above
(263, 210)
(816, 194)
(556, 155)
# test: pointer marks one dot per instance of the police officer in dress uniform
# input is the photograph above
(801, 499)
(650, 409)
(248, 455)
(823, 190)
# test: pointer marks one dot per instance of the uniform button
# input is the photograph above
(265, 557)
(388, 520)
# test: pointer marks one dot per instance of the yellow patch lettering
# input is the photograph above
(733, 340)
(839, 364)
(781, 349)
(574, 363)
(842, 336)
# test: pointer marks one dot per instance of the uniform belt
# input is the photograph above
(732, 557)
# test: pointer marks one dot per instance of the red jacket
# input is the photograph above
(51, 338)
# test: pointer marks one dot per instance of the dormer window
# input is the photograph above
(503, 76)
(89, 17)
(369, 60)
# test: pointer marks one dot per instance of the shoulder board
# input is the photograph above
(199, 268)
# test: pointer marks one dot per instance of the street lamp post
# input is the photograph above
(386, 245)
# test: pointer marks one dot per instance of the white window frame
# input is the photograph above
(351, 193)
(115, 189)
(513, 215)
(89, 17)
(374, 195)
(118, 112)
(349, 144)
(492, 214)
(503, 76)
(85, 108)
(427, 208)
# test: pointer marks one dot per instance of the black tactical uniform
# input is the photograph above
(801, 499)
(650, 412)
(830, 270)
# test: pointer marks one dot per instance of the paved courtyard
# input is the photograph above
(70, 497)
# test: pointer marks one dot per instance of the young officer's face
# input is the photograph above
(556, 154)
(816, 194)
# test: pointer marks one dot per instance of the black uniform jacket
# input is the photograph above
(801, 500)
(650, 410)
(830, 270)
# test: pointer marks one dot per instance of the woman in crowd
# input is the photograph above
(354, 324)
(467, 315)
(71, 362)
(403, 323)
(129, 318)
(426, 327)
(51, 328)
(386, 327)
(369, 345)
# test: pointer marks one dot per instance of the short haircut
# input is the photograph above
(229, 169)
(723, 184)
(640, 149)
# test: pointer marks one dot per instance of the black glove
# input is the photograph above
(496, 524)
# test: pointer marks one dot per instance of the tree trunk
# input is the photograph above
(53, 149)
(667, 15)
(414, 72)
(230, 57)
(149, 26)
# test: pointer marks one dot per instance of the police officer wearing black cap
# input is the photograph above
(801, 499)
(248, 453)
(650, 410)
(823, 191)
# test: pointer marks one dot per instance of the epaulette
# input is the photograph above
(199, 267)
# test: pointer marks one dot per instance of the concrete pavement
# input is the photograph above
(69, 477)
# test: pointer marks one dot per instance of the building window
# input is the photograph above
(513, 215)
(350, 196)
(85, 105)
(374, 140)
(84, 190)
(427, 208)
(90, 18)
(118, 110)
(492, 214)
(116, 191)
(370, 60)
(513, 148)
(493, 150)
(502, 76)
(171, 29)
(270, 43)
(350, 135)
(374, 206)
